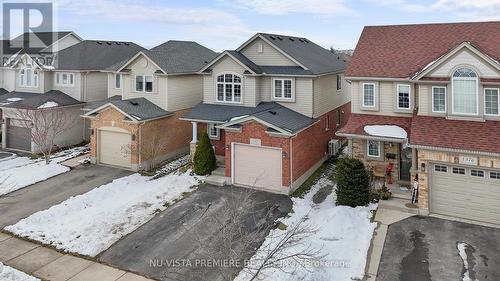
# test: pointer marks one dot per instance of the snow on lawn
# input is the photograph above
(343, 236)
(19, 172)
(11, 274)
(389, 131)
(90, 223)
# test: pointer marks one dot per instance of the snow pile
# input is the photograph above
(343, 236)
(173, 166)
(11, 274)
(389, 131)
(463, 254)
(14, 99)
(19, 172)
(90, 223)
(48, 104)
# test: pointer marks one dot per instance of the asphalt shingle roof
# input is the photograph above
(95, 55)
(3, 92)
(140, 109)
(48, 38)
(270, 112)
(26, 100)
(316, 58)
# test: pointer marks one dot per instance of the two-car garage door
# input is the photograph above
(114, 147)
(257, 167)
(464, 192)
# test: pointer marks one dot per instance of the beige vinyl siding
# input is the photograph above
(184, 91)
(96, 85)
(74, 91)
(385, 98)
(269, 56)
(112, 91)
(326, 96)
(9, 79)
(465, 58)
(228, 65)
(303, 94)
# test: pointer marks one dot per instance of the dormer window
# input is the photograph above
(29, 76)
(465, 92)
(229, 88)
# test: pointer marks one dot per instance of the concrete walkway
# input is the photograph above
(388, 212)
(48, 264)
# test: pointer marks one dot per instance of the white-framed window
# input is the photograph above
(339, 82)
(283, 89)
(495, 175)
(213, 131)
(228, 88)
(458, 171)
(28, 76)
(403, 92)
(465, 91)
(368, 94)
(144, 83)
(491, 101)
(118, 81)
(441, 168)
(438, 99)
(65, 79)
(373, 148)
(477, 173)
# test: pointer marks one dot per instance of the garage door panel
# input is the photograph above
(465, 196)
(257, 166)
(18, 138)
(114, 148)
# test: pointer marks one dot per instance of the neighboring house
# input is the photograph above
(139, 122)
(440, 83)
(75, 71)
(46, 42)
(270, 108)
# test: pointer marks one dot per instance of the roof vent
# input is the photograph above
(272, 112)
(301, 40)
(118, 43)
(99, 42)
(291, 39)
(279, 37)
(134, 103)
(272, 37)
(305, 40)
(109, 43)
(126, 43)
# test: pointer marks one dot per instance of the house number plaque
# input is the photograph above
(468, 160)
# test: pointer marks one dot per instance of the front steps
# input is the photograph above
(218, 177)
(398, 204)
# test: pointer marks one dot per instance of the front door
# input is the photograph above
(404, 171)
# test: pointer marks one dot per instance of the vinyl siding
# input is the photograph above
(385, 99)
(303, 94)
(95, 87)
(66, 42)
(9, 79)
(269, 56)
(184, 91)
(326, 96)
(73, 91)
(465, 58)
(112, 91)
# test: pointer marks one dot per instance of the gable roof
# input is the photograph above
(399, 51)
(137, 109)
(94, 55)
(48, 38)
(25, 100)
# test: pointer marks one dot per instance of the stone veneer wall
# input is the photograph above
(378, 166)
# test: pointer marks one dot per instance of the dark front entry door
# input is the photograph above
(404, 171)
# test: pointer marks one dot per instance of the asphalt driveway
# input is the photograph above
(174, 235)
(40, 196)
(427, 248)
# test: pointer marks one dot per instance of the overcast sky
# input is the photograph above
(225, 24)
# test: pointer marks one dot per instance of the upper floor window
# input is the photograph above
(65, 79)
(439, 99)
(144, 83)
(283, 89)
(403, 96)
(339, 82)
(29, 76)
(491, 101)
(118, 81)
(369, 94)
(465, 87)
(229, 88)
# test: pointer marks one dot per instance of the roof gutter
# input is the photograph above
(364, 137)
(426, 147)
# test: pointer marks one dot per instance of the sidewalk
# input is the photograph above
(48, 264)
(388, 212)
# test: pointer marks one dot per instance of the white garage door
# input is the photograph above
(469, 193)
(114, 148)
(257, 166)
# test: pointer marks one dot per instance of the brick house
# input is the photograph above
(270, 108)
(438, 84)
(147, 93)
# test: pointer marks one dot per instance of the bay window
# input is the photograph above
(283, 89)
(29, 76)
(65, 79)
(439, 99)
(369, 94)
(403, 96)
(144, 83)
(465, 96)
(491, 101)
(229, 88)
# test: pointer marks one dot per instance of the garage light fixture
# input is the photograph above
(422, 167)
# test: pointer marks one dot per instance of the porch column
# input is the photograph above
(414, 162)
(195, 132)
(4, 133)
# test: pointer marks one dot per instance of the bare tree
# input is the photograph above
(45, 125)
(152, 149)
(243, 225)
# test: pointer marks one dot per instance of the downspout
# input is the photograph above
(139, 142)
(291, 162)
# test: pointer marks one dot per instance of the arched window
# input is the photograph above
(28, 76)
(228, 88)
(465, 91)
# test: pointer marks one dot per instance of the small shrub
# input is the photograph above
(353, 183)
(384, 193)
(204, 157)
